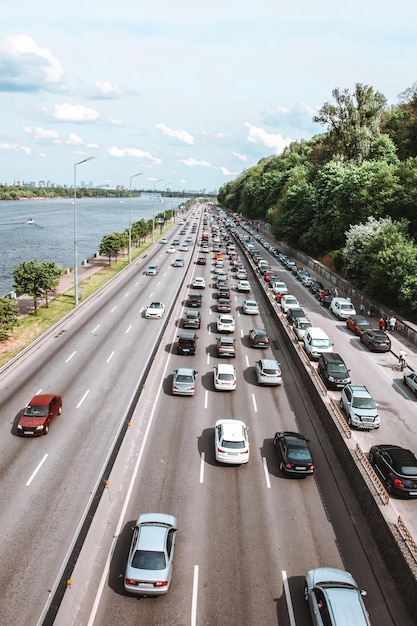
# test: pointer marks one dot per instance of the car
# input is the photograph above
(224, 305)
(332, 370)
(334, 598)
(279, 287)
(155, 310)
(358, 324)
(223, 291)
(183, 381)
(397, 467)
(231, 443)
(183, 248)
(149, 564)
(152, 270)
(410, 380)
(289, 302)
(187, 343)
(224, 377)
(192, 319)
(226, 346)
(294, 314)
(163, 240)
(360, 407)
(36, 417)
(294, 454)
(241, 274)
(300, 326)
(201, 260)
(171, 250)
(250, 307)
(376, 340)
(194, 300)
(315, 286)
(243, 286)
(199, 282)
(268, 372)
(178, 263)
(258, 338)
(342, 308)
(175, 242)
(323, 293)
(225, 323)
(307, 280)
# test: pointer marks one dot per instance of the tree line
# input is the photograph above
(348, 194)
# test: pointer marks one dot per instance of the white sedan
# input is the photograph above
(289, 302)
(171, 250)
(231, 444)
(155, 310)
(199, 282)
(225, 323)
(224, 376)
(243, 286)
(250, 307)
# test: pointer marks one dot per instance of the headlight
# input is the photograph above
(41, 427)
(331, 379)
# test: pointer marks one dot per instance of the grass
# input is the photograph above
(33, 326)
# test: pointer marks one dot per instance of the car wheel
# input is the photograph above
(371, 457)
(281, 467)
(350, 422)
(341, 405)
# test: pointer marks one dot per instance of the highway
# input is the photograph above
(246, 535)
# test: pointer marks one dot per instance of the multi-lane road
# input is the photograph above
(246, 535)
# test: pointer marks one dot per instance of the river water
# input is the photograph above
(51, 235)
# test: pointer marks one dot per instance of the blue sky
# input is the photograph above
(189, 93)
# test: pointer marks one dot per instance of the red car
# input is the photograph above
(322, 293)
(38, 414)
(358, 323)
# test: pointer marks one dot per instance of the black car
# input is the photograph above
(293, 313)
(376, 340)
(398, 468)
(187, 343)
(223, 291)
(224, 305)
(258, 338)
(194, 299)
(294, 454)
(333, 371)
(201, 260)
(192, 319)
(314, 287)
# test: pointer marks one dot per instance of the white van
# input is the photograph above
(342, 308)
(316, 342)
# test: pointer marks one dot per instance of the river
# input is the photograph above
(50, 236)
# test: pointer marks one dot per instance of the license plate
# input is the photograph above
(412, 493)
(232, 453)
(297, 467)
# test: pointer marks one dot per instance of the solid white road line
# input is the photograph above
(202, 462)
(265, 464)
(82, 399)
(36, 470)
(70, 356)
(95, 329)
(288, 598)
(194, 597)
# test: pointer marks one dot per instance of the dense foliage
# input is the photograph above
(37, 280)
(9, 316)
(362, 172)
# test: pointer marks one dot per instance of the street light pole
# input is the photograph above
(153, 209)
(76, 286)
(130, 221)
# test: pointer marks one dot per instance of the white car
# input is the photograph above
(300, 326)
(152, 270)
(224, 376)
(241, 274)
(184, 248)
(280, 288)
(231, 443)
(289, 302)
(163, 240)
(225, 323)
(268, 372)
(199, 282)
(410, 380)
(155, 310)
(171, 250)
(243, 286)
(250, 307)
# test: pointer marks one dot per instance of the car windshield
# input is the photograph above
(337, 368)
(303, 325)
(321, 343)
(39, 411)
(363, 403)
(149, 559)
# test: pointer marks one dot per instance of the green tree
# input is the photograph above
(9, 316)
(112, 244)
(36, 279)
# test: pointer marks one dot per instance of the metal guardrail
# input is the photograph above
(372, 475)
(340, 419)
(407, 536)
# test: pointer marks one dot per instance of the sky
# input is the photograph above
(184, 94)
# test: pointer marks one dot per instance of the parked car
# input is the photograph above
(243, 286)
(224, 305)
(279, 288)
(300, 326)
(376, 340)
(149, 564)
(152, 270)
(410, 379)
(334, 598)
(316, 342)
(294, 314)
(199, 282)
(187, 343)
(183, 381)
(194, 300)
(397, 467)
(268, 372)
(38, 414)
(258, 338)
(360, 407)
(289, 302)
(333, 371)
(358, 324)
(342, 308)
(192, 319)
(155, 310)
(231, 443)
(224, 377)
(225, 323)
(250, 307)
(226, 346)
(294, 454)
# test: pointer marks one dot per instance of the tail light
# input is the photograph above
(398, 483)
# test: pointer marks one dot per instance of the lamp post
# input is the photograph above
(76, 229)
(153, 209)
(165, 194)
(130, 221)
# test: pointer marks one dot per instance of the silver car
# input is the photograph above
(334, 598)
(183, 382)
(268, 372)
(149, 565)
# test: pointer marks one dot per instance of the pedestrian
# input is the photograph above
(392, 324)
(387, 323)
(401, 358)
(361, 308)
(381, 323)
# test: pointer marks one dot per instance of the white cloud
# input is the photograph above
(74, 113)
(274, 141)
(193, 162)
(241, 157)
(182, 135)
(75, 140)
(115, 122)
(15, 147)
(107, 89)
(133, 152)
(41, 133)
(23, 47)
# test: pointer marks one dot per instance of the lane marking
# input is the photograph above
(110, 357)
(126, 294)
(113, 309)
(202, 462)
(241, 333)
(70, 356)
(288, 598)
(129, 328)
(82, 399)
(205, 398)
(96, 328)
(247, 360)
(255, 408)
(194, 596)
(36, 470)
(265, 464)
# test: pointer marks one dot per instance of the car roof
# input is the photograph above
(269, 363)
(187, 335)
(225, 368)
(401, 456)
(185, 371)
(359, 390)
(232, 429)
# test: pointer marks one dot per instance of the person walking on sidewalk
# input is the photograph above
(381, 323)
(401, 359)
